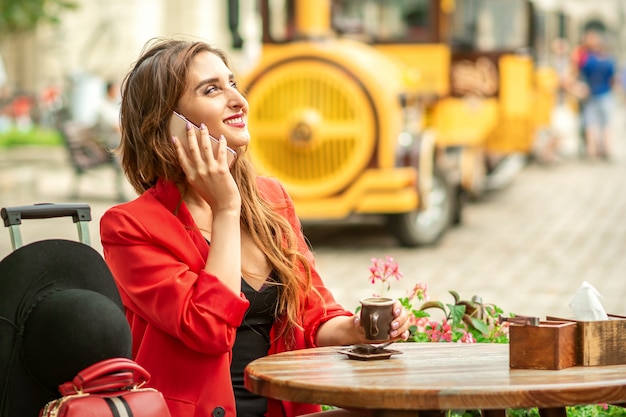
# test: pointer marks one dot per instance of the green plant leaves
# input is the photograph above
(463, 317)
(457, 311)
(24, 15)
(434, 304)
(479, 325)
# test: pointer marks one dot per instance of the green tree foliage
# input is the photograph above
(19, 16)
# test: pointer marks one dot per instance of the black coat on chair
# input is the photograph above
(60, 312)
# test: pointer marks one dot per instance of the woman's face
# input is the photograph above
(211, 97)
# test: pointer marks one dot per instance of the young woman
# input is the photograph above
(210, 261)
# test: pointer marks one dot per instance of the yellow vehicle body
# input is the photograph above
(507, 102)
(327, 121)
(515, 130)
(547, 86)
(503, 124)
(353, 120)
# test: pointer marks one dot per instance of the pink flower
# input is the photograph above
(433, 330)
(446, 331)
(434, 335)
(420, 323)
(467, 338)
(445, 327)
(439, 332)
(384, 270)
(419, 291)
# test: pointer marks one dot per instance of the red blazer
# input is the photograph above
(184, 320)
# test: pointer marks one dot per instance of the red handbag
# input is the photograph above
(106, 389)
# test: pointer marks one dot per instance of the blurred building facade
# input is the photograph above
(568, 19)
(100, 40)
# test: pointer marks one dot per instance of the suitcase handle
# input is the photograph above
(14, 215)
(79, 212)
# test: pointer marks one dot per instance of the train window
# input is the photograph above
(278, 20)
(491, 25)
(384, 20)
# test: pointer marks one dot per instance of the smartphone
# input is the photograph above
(178, 128)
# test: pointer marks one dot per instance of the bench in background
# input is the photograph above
(86, 152)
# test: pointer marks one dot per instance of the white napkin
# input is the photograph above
(586, 304)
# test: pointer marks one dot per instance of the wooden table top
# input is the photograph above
(430, 376)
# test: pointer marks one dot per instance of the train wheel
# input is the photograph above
(423, 227)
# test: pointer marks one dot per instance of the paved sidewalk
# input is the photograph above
(526, 248)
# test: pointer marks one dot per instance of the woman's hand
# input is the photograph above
(399, 325)
(212, 183)
(207, 173)
(345, 330)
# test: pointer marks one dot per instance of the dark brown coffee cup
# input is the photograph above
(376, 317)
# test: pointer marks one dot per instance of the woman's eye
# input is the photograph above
(210, 90)
(234, 85)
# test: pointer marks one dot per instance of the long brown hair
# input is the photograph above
(150, 92)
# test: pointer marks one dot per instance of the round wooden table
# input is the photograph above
(431, 378)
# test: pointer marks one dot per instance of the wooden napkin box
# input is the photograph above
(548, 345)
(601, 342)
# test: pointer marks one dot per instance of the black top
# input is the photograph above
(252, 342)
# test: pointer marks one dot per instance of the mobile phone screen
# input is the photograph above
(178, 128)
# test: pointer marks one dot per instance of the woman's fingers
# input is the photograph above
(205, 144)
(400, 324)
(193, 137)
(212, 149)
(187, 151)
(222, 155)
(200, 150)
(208, 175)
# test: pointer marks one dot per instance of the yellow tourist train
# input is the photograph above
(395, 109)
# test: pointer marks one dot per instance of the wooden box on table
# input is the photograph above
(549, 345)
(600, 342)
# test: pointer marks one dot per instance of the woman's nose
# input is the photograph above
(237, 100)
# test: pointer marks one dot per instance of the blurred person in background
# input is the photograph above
(596, 72)
(108, 121)
(109, 130)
